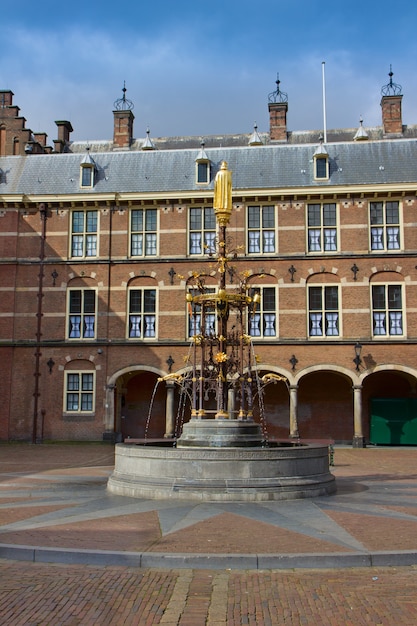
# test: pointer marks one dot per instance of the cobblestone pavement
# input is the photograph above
(53, 499)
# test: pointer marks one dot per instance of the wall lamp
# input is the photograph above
(357, 360)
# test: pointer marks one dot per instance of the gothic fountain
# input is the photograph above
(222, 454)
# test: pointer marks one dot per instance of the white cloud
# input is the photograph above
(181, 86)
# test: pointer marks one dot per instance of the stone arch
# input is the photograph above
(327, 367)
(411, 371)
(389, 399)
(131, 393)
(325, 402)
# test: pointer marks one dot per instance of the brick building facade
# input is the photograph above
(98, 244)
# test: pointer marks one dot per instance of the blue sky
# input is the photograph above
(199, 68)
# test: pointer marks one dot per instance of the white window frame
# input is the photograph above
(198, 170)
(387, 319)
(262, 235)
(87, 322)
(322, 238)
(324, 322)
(142, 324)
(194, 315)
(385, 235)
(202, 238)
(84, 389)
(263, 321)
(316, 161)
(147, 235)
(83, 240)
(84, 168)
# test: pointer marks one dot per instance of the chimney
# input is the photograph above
(64, 130)
(392, 120)
(278, 107)
(123, 129)
(6, 98)
(41, 138)
(123, 122)
(278, 121)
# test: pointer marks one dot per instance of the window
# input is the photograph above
(262, 321)
(387, 310)
(82, 313)
(142, 313)
(321, 226)
(202, 231)
(261, 229)
(385, 225)
(203, 172)
(84, 233)
(202, 163)
(88, 168)
(323, 311)
(79, 392)
(195, 318)
(143, 232)
(321, 165)
(87, 176)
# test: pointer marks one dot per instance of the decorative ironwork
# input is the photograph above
(172, 273)
(292, 271)
(391, 89)
(123, 104)
(293, 360)
(355, 270)
(54, 277)
(221, 362)
(170, 362)
(50, 363)
(278, 95)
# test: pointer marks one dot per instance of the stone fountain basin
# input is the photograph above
(249, 474)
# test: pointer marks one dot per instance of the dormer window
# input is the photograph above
(321, 168)
(88, 168)
(202, 167)
(321, 162)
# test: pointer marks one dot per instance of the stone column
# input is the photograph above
(169, 411)
(358, 438)
(294, 412)
(109, 413)
(231, 403)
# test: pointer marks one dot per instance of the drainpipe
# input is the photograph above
(43, 211)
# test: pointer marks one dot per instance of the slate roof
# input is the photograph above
(254, 167)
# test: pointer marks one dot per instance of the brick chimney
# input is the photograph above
(123, 129)
(6, 98)
(278, 121)
(392, 120)
(41, 138)
(64, 130)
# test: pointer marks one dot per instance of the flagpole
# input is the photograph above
(324, 103)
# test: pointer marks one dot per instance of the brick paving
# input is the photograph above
(72, 595)
(55, 495)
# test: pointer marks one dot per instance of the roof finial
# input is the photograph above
(254, 139)
(123, 104)
(278, 95)
(361, 133)
(391, 89)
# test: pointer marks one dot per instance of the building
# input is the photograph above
(99, 242)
